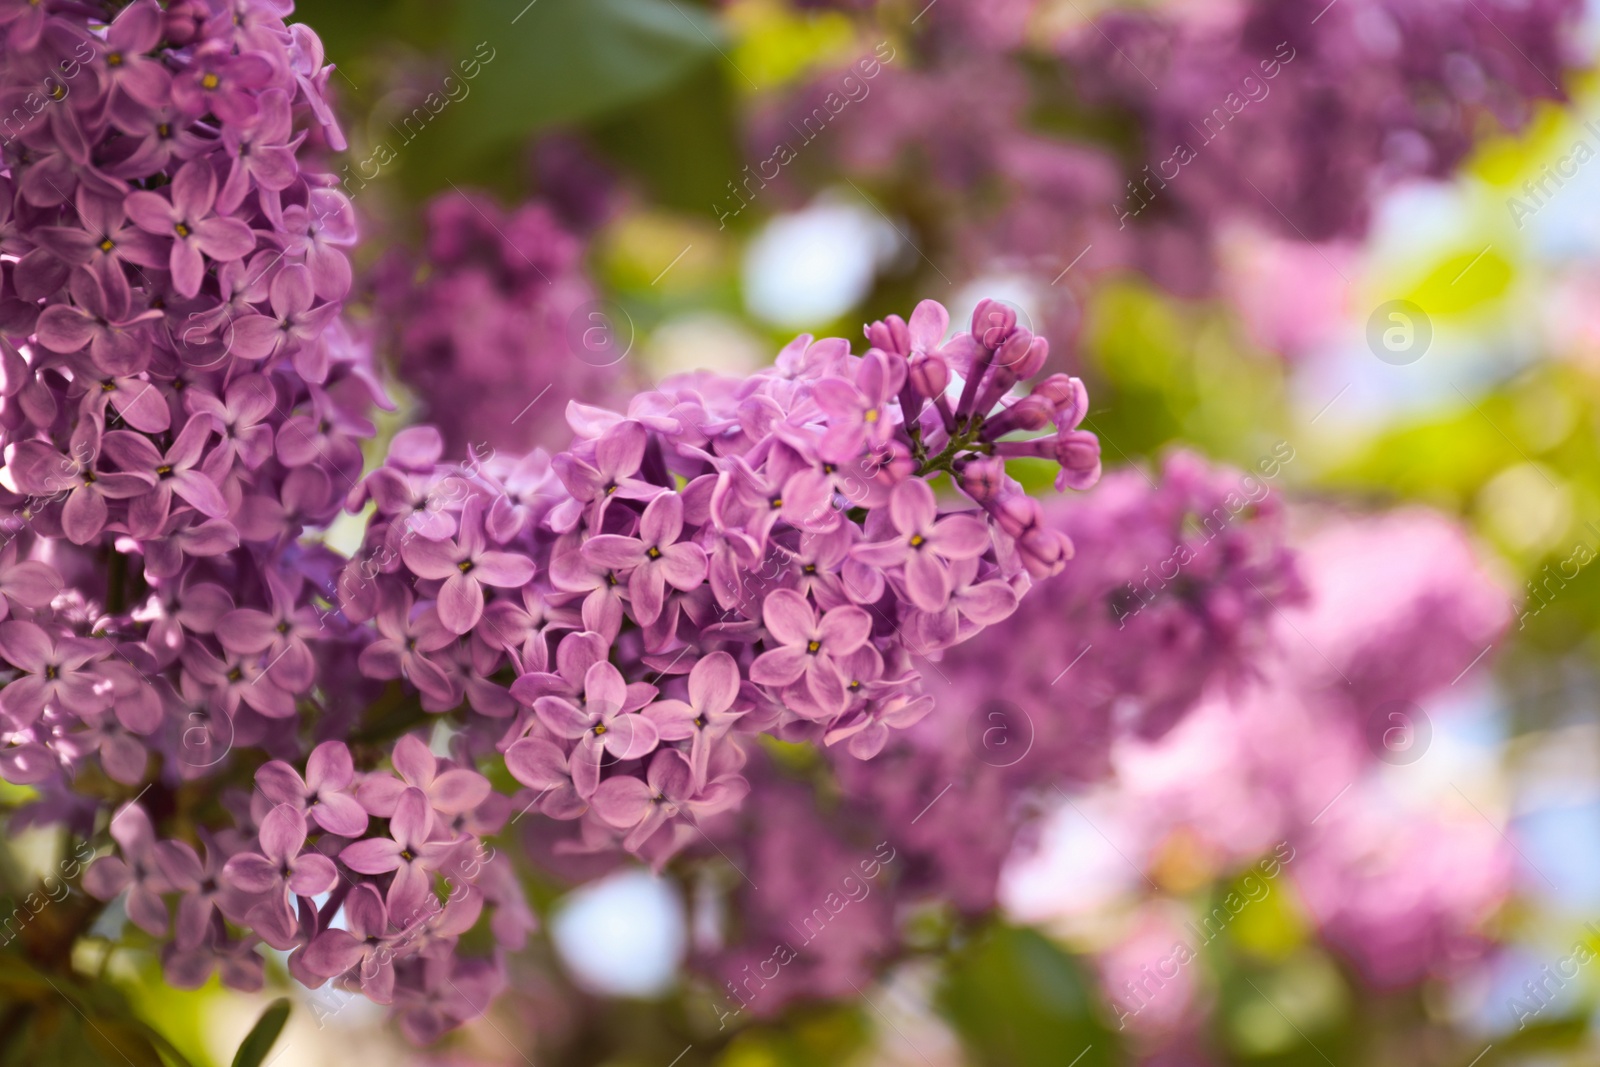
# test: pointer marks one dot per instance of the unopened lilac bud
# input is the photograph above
(1068, 396)
(929, 376)
(1020, 357)
(1015, 511)
(1078, 452)
(984, 479)
(183, 19)
(1044, 551)
(890, 335)
(1029, 413)
(993, 323)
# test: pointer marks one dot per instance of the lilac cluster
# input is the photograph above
(1079, 667)
(180, 398)
(495, 310)
(726, 557)
(1133, 135)
(1293, 115)
(181, 412)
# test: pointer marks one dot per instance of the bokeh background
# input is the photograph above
(1338, 262)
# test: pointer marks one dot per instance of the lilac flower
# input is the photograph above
(187, 220)
(281, 634)
(222, 84)
(466, 564)
(171, 474)
(925, 547)
(407, 852)
(52, 669)
(129, 69)
(407, 637)
(367, 945)
(323, 794)
(602, 720)
(145, 869)
(858, 413)
(281, 867)
(541, 765)
(670, 788)
(809, 645)
(100, 322)
(294, 327)
(449, 791)
(654, 559)
(241, 417)
(38, 468)
(705, 717)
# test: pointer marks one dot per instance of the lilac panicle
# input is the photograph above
(181, 410)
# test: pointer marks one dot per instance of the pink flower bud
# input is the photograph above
(984, 479)
(929, 376)
(890, 335)
(1069, 398)
(993, 323)
(1078, 452)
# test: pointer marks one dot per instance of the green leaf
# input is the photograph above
(530, 66)
(258, 1042)
(1018, 1000)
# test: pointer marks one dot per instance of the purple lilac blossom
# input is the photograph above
(181, 414)
(954, 794)
(494, 309)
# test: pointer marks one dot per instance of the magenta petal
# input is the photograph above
(458, 790)
(413, 818)
(340, 813)
(332, 953)
(714, 682)
(106, 877)
(460, 603)
(188, 268)
(503, 570)
(251, 872)
(621, 802)
(431, 559)
(246, 630)
(84, 515)
(779, 667)
(280, 783)
(844, 629)
(789, 617)
(927, 581)
(630, 737)
(314, 874)
(283, 832)
(537, 764)
(375, 855)
(912, 506)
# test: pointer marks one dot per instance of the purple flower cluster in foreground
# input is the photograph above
(180, 410)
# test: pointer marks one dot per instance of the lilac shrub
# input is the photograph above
(195, 678)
